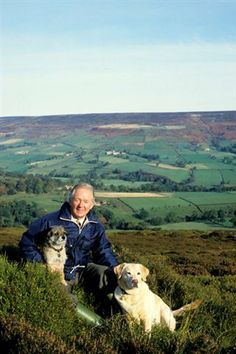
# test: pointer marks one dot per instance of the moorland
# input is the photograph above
(184, 266)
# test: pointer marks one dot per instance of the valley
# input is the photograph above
(177, 166)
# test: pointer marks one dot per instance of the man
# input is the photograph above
(90, 258)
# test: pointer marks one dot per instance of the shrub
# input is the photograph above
(31, 292)
(19, 336)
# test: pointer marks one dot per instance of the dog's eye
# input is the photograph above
(138, 273)
(129, 273)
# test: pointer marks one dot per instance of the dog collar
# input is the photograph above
(123, 291)
(58, 250)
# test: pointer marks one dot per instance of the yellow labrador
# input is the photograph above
(139, 303)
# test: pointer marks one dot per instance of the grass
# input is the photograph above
(175, 175)
(229, 176)
(119, 182)
(148, 203)
(207, 198)
(47, 201)
(36, 315)
(207, 177)
(200, 226)
(189, 252)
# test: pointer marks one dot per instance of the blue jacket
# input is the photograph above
(84, 245)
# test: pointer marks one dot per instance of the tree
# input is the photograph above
(233, 220)
(221, 214)
(156, 220)
(21, 186)
(142, 214)
(171, 217)
(210, 215)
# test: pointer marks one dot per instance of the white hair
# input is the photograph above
(78, 186)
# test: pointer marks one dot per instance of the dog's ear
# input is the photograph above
(118, 269)
(41, 237)
(50, 232)
(61, 230)
(144, 272)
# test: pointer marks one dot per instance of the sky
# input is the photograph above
(105, 56)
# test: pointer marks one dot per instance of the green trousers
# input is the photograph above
(95, 278)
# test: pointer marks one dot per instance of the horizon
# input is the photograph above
(61, 57)
(108, 113)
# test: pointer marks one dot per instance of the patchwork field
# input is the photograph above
(139, 153)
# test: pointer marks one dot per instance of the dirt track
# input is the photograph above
(131, 195)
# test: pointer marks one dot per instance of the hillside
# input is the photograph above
(36, 315)
(192, 126)
(187, 252)
(186, 158)
(178, 146)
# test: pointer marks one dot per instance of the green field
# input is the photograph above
(118, 182)
(206, 198)
(228, 176)
(80, 153)
(48, 202)
(183, 199)
(193, 226)
(207, 177)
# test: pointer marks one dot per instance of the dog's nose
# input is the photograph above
(135, 282)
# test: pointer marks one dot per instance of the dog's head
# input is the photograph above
(55, 236)
(130, 275)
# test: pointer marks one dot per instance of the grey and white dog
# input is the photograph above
(52, 244)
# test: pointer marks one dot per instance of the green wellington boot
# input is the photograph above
(88, 315)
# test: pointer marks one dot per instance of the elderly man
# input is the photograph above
(90, 259)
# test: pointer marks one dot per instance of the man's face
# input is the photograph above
(81, 202)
